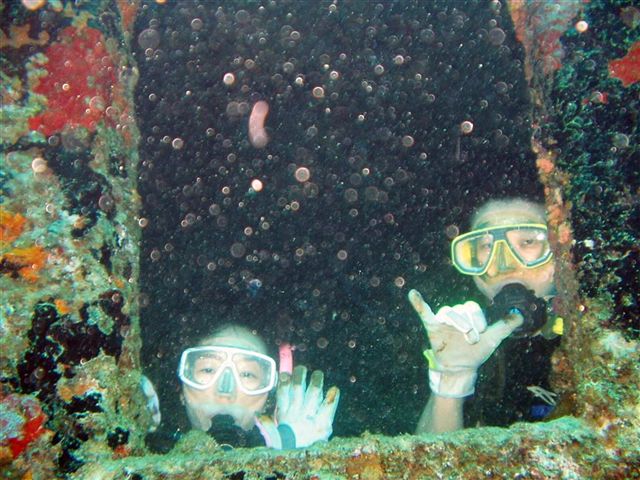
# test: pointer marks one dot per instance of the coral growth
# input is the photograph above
(21, 422)
(23, 262)
(627, 68)
(80, 76)
(11, 225)
(19, 37)
(539, 25)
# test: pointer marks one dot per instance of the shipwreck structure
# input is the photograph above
(70, 400)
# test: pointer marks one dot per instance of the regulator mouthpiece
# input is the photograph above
(518, 298)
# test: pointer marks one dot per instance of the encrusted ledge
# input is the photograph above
(563, 448)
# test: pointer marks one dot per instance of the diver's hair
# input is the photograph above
(505, 203)
(234, 329)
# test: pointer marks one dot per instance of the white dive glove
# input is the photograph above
(460, 342)
(153, 404)
(302, 415)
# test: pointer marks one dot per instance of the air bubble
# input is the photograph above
(407, 141)
(302, 174)
(149, 38)
(177, 143)
(466, 127)
(106, 203)
(582, 26)
(497, 36)
(620, 140)
(452, 231)
(39, 165)
(351, 195)
(256, 185)
(238, 250)
(229, 79)
(287, 67)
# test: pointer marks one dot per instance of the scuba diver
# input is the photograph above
(226, 380)
(508, 255)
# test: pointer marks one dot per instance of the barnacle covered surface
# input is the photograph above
(68, 252)
(69, 266)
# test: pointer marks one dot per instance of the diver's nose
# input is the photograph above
(504, 261)
(226, 383)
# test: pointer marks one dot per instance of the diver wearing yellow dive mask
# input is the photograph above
(508, 256)
(502, 252)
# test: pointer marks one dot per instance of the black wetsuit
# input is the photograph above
(501, 396)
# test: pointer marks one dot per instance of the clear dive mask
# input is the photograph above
(250, 372)
(472, 253)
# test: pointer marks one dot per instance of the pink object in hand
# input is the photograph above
(286, 358)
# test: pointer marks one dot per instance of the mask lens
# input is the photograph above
(201, 367)
(529, 244)
(253, 372)
(472, 253)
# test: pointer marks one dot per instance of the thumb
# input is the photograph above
(501, 329)
(421, 307)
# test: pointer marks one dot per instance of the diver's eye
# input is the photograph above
(248, 375)
(208, 370)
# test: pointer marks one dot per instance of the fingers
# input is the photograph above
(466, 318)
(283, 393)
(421, 307)
(501, 329)
(476, 315)
(298, 388)
(327, 410)
(313, 397)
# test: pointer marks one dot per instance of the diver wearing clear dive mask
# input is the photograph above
(507, 254)
(226, 380)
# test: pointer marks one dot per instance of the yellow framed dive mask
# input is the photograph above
(472, 253)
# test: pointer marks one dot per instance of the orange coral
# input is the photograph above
(62, 306)
(11, 225)
(26, 261)
(128, 10)
(67, 390)
(19, 37)
(545, 164)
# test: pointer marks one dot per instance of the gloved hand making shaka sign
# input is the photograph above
(460, 342)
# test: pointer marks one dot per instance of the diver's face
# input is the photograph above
(203, 405)
(223, 397)
(505, 268)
